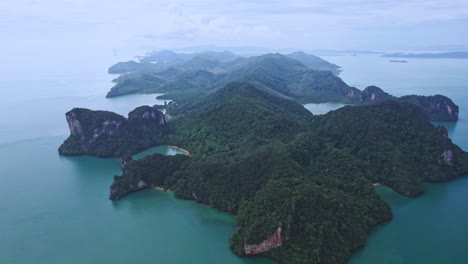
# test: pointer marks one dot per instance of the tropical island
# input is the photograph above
(299, 76)
(300, 185)
(443, 55)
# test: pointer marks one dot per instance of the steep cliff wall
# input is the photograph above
(436, 108)
(107, 134)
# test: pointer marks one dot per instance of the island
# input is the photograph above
(443, 55)
(300, 185)
(398, 61)
(107, 134)
(298, 76)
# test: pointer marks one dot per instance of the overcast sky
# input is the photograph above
(150, 24)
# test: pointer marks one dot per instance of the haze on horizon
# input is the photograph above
(46, 29)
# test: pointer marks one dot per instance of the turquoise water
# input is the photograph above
(432, 228)
(323, 108)
(55, 209)
(165, 150)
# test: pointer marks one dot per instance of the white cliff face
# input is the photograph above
(154, 115)
(273, 241)
(448, 158)
(74, 125)
(109, 127)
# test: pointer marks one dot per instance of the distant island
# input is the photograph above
(400, 61)
(298, 76)
(445, 55)
(300, 185)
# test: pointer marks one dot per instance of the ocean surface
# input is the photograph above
(55, 209)
(432, 228)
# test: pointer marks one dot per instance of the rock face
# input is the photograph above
(87, 126)
(146, 113)
(436, 108)
(99, 132)
(374, 94)
(448, 158)
(273, 241)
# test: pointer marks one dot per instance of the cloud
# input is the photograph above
(378, 24)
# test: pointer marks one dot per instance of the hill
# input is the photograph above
(288, 76)
(299, 185)
(314, 62)
(106, 134)
(201, 75)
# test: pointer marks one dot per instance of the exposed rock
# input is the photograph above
(141, 184)
(73, 124)
(448, 158)
(436, 108)
(273, 241)
(101, 133)
(125, 160)
(147, 113)
(114, 189)
(374, 94)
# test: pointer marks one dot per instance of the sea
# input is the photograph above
(55, 209)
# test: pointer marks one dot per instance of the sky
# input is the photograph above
(38, 27)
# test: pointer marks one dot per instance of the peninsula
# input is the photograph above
(299, 185)
(298, 76)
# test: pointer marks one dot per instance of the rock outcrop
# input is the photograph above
(146, 113)
(374, 94)
(436, 108)
(107, 134)
(448, 157)
(273, 241)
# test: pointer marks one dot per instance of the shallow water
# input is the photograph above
(323, 108)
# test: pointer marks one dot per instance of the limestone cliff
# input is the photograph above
(437, 107)
(374, 94)
(106, 134)
(271, 242)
